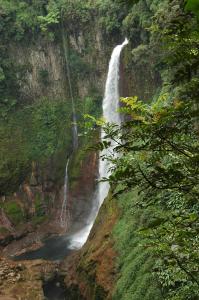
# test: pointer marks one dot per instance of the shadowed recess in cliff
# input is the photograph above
(54, 289)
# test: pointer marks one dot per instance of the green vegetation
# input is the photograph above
(39, 209)
(44, 77)
(50, 128)
(87, 138)
(78, 66)
(160, 160)
(4, 230)
(36, 220)
(159, 147)
(36, 132)
(20, 18)
(135, 259)
(14, 212)
(193, 6)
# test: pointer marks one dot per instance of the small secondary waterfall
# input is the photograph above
(74, 118)
(110, 107)
(63, 216)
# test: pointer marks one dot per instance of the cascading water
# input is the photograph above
(63, 216)
(111, 115)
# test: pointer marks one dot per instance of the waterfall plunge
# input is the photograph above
(110, 114)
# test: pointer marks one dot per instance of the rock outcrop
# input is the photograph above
(24, 280)
(92, 270)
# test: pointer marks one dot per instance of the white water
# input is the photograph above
(63, 215)
(111, 115)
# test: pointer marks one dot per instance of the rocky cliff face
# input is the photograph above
(46, 69)
(43, 68)
(42, 64)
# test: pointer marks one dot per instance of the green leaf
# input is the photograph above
(193, 6)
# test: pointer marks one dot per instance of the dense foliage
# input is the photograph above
(135, 260)
(34, 133)
(158, 146)
(160, 159)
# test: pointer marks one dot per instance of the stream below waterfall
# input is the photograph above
(54, 248)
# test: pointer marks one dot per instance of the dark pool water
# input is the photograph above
(54, 289)
(55, 248)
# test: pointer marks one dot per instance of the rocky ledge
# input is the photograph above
(24, 280)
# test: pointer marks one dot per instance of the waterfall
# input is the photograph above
(63, 215)
(111, 115)
(74, 118)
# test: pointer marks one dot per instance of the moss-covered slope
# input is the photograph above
(114, 263)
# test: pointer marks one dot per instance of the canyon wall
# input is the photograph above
(44, 69)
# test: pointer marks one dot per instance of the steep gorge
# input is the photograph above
(57, 70)
(43, 66)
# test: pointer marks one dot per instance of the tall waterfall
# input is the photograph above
(110, 114)
(110, 107)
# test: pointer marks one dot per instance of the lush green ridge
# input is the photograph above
(135, 258)
(159, 146)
